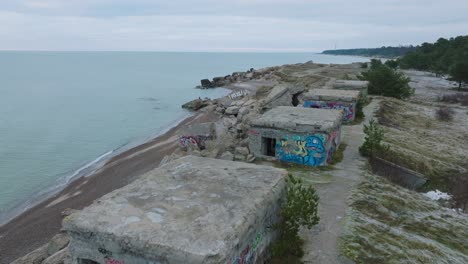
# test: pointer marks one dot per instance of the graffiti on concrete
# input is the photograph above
(247, 255)
(113, 261)
(306, 150)
(334, 141)
(348, 108)
(238, 94)
(188, 141)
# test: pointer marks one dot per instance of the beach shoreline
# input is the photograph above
(39, 223)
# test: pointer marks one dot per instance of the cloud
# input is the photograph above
(237, 25)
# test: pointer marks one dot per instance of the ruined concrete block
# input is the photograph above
(191, 210)
(296, 134)
(344, 100)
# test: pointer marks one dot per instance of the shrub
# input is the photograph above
(372, 145)
(461, 98)
(386, 81)
(299, 210)
(445, 114)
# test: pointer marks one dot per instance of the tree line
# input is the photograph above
(383, 52)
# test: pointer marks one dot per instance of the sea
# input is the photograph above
(64, 114)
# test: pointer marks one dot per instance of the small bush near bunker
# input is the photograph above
(372, 145)
(299, 210)
(445, 114)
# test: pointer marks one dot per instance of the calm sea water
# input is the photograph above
(63, 111)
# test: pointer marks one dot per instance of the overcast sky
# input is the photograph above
(226, 25)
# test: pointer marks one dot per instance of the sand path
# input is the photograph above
(321, 243)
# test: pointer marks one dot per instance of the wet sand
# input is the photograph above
(39, 224)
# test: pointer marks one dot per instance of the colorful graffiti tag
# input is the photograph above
(347, 108)
(187, 141)
(247, 255)
(334, 141)
(306, 150)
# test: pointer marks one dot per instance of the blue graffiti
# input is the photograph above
(309, 151)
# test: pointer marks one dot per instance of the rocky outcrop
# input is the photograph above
(197, 104)
(228, 79)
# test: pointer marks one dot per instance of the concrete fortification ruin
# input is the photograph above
(190, 210)
(296, 134)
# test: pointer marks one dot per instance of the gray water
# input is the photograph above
(61, 112)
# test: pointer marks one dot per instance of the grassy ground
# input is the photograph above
(422, 143)
(390, 224)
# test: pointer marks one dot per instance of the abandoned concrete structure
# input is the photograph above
(297, 134)
(352, 85)
(195, 135)
(345, 100)
(189, 210)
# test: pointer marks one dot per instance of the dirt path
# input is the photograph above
(321, 243)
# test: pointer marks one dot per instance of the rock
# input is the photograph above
(243, 110)
(196, 104)
(227, 156)
(249, 102)
(57, 243)
(244, 142)
(35, 257)
(209, 108)
(68, 212)
(232, 110)
(242, 151)
(60, 257)
(239, 157)
(229, 121)
(220, 109)
(250, 158)
(249, 75)
(205, 83)
(218, 81)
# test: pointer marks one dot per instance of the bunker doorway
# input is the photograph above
(269, 146)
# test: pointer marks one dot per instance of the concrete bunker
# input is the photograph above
(345, 100)
(353, 85)
(190, 210)
(297, 134)
(195, 135)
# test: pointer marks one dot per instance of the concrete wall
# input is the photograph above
(312, 149)
(349, 108)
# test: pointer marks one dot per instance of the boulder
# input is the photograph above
(239, 157)
(232, 110)
(250, 158)
(220, 109)
(242, 151)
(227, 156)
(243, 110)
(60, 257)
(35, 257)
(57, 243)
(229, 121)
(218, 81)
(205, 83)
(196, 104)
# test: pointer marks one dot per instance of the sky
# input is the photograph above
(226, 25)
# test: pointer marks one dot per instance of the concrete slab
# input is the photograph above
(190, 210)
(332, 95)
(300, 119)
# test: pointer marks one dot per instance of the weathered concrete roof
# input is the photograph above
(300, 119)
(192, 209)
(332, 95)
(343, 84)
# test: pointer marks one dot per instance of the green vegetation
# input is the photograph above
(390, 224)
(459, 72)
(446, 56)
(372, 145)
(299, 210)
(384, 52)
(386, 81)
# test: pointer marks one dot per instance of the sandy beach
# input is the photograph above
(39, 224)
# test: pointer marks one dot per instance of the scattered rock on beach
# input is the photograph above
(227, 156)
(232, 110)
(197, 104)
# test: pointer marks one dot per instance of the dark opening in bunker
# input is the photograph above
(87, 261)
(269, 145)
